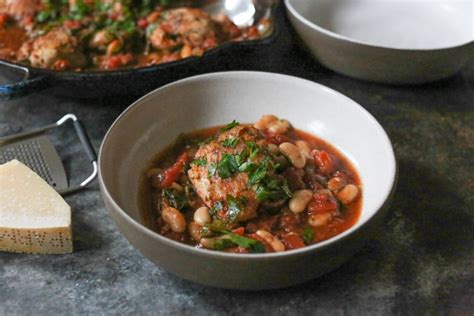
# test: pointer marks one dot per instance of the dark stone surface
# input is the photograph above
(422, 262)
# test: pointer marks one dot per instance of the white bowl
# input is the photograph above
(396, 41)
(155, 120)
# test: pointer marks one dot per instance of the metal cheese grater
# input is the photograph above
(35, 150)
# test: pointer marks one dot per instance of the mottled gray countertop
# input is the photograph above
(421, 263)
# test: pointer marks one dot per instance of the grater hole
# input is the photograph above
(30, 154)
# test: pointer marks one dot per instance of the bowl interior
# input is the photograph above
(402, 24)
(213, 99)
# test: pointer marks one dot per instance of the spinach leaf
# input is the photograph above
(222, 243)
(235, 206)
(175, 199)
(253, 245)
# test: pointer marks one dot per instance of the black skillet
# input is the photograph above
(137, 81)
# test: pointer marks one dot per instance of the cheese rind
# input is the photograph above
(34, 218)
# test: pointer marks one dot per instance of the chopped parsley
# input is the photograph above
(262, 170)
(230, 126)
(273, 189)
(199, 161)
(308, 235)
(230, 142)
(227, 166)
(254, 150)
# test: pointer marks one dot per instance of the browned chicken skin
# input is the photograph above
(211, 187)
(20, 8)
(55, 45)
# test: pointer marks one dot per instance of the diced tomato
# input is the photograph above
(114, 15)
(61, 64)
(276, 138)
(239, 231)
(72, 24)
(292, 241)
(209, 43)
(169, 58)
(323, 161)
(116, 61)
(27, 20)
(253, 32)
(3, 20)
(322, 203)
(170, 175)
(289, 221)
(142, 23)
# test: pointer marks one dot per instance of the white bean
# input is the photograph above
(202, 216)
(276, 244)
(300, 200)
(348, 194)
(336, 183)
(318, 220)
(273, 149)
(207, 243)
(264, 121)
(280, 126)
(304, 148)
(195, 231)
(293, 154)
(174, 219)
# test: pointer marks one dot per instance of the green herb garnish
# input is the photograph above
(199, 161)
(235, 206)
(307, 235)
(230, 142)
(253, 245)
(227, 166)
(175, 199)
(230, 126)
(273, 189)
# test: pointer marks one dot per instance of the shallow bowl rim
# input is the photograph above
(224, 255)
(292, 10)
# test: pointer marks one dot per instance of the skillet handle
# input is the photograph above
(27, 84)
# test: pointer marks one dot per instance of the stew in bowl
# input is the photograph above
(244, 188)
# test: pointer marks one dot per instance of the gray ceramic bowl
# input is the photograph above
(387, 41)
(207, 100)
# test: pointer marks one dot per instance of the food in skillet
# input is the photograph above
(109, 34)
(246, 188)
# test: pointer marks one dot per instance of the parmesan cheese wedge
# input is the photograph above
(34, 218)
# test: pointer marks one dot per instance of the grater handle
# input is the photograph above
(85, 140)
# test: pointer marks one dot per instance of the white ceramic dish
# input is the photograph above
(396, 41)
(155, 120)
